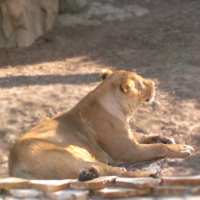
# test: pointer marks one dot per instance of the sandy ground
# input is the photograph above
(53, 74)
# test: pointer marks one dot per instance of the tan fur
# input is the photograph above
(94, 133)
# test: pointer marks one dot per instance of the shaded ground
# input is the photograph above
(52, 75)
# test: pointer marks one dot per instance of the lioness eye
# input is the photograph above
(147, 100)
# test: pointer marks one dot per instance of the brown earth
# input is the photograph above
(52, 75)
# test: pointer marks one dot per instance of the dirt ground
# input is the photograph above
(60, 68)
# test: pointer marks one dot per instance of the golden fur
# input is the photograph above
(92, 137)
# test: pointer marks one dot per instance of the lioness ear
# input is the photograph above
(105, 73)
(127, 86)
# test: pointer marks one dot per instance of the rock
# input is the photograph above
(139, 11)
(50, 185)
(138, 183)
(15, 8)
(25, 193)
(11, 183)
(12, 41)
(184, 181)
(122, 192)
(70, 194)
(170, 190)
(96, 183)
(72, 6)
(23, 21)
(51, 12)
(99, 12)
(24, 38)
(6, 22)
(74, 20)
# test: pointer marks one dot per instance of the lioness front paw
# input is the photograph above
(88, 173)
(180, 151)
(163, 140)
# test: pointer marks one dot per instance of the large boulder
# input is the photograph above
(72, 6)
(23, 21)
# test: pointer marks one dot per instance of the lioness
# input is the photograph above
(94, 136)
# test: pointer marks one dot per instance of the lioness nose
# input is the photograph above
(147, 100)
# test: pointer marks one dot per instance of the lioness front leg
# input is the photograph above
(145, 139)
(143, 152)
(100, 169)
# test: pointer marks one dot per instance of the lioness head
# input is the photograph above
(130, 89)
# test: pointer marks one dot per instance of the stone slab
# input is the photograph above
(12, 183)
(1, 197)
(138, 183)
(69, 194)
(25, 193)
(11, 198)
(171, 198)
(136, 198)
(195, 191)
(34, 198)
(192, 197)
(97, 183)
(184, 181)
(50, 185)
(170, 190)
(122, 192)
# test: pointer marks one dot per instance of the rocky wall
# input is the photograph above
(23, 21)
